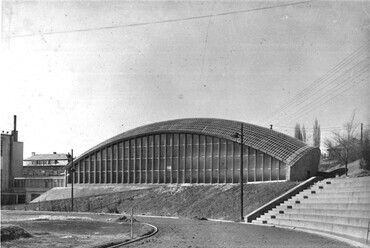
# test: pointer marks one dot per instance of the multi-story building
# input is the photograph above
(21, 181)
(40, 173)
(11, 157)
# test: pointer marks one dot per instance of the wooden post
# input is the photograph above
(241, 172)
(132, 234)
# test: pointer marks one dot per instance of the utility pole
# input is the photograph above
(241, 135)
(362, 133)
(72, 171)
(131, 222)
(241, 173)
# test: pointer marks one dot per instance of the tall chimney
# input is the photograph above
(15, 132)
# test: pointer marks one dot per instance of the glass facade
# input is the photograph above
(41, 183)
(176, 158)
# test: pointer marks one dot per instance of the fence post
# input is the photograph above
(132, 235)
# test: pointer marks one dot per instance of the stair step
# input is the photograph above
(326, 194)
(359, 222)
(339, 206)
(344, 206)
(335, 188)
(347, 180)
(329, 200)
(353, 231)
(329, 212)
(362, 183)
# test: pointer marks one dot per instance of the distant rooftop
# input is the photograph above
(53, 156)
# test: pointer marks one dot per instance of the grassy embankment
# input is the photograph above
(209, 201)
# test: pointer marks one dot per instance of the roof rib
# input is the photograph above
(281, 146)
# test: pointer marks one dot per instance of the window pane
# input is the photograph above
(282, 170)
(169, 139)
(120, 150)
(182, 139)
(163, 139)
(275, 169)
(202, 139)
(127, 151)
(259, 166)
(169, 151)
(156, 140)
(267, 168)
(251, 165)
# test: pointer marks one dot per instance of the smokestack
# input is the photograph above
(15, 123)
(15, 132)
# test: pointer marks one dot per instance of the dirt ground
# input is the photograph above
(173, 233)
(67, 229)
(189, 233)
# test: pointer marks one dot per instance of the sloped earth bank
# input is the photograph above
(209, 201)
(215, 201)
(67, 230)
(190, 233)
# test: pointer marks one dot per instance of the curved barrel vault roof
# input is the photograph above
(281, 146)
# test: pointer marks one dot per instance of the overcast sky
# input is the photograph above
(79, 72)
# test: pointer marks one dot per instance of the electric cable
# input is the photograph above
(321, 80)
(313, 108)
(161, 21)
(324, 93)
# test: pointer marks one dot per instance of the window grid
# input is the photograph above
(177, 158)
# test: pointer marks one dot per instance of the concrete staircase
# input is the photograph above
(337, 206)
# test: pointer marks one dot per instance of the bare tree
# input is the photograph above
(316, 134)
(345, 148)
(365, 150)
(297, 132)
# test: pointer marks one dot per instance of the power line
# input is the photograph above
(161, 21)
(308, 128)
(206, 41)
(338, 67)
(324, 94)
(313, 108)
(330, 89)
(303, 97)
(320, 81)
(309, 108)
(321, 131)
